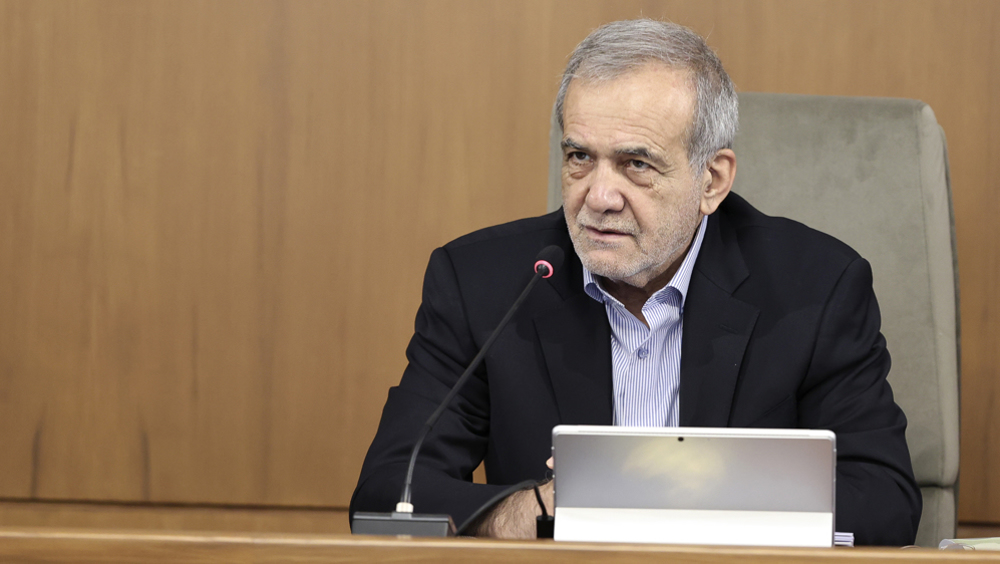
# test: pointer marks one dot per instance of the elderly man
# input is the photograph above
(679, 304)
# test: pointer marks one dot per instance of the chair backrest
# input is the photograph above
(872, 172)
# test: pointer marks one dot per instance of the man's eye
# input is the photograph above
(578, 156)
(638, 165)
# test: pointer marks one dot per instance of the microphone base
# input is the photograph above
(545, 527)
(406, 524)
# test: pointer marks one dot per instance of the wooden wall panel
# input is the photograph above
(218, 215)
(214, 216)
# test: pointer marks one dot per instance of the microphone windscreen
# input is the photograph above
(552, 255)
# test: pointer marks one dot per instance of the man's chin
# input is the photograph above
(608, 264)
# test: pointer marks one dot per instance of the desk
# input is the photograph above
(84, 546)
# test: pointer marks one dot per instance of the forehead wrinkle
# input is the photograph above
(622, 113)
(626, 136)
(643, 147)
(646, 126)
(685, 88)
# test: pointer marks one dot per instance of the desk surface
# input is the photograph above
(77, 545)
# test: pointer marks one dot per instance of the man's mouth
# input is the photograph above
(605, 233)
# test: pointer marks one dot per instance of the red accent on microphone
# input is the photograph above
(547, 265)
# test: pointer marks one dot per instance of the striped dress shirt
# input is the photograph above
(646, 361)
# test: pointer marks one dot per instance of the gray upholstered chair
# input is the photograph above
(872, 172)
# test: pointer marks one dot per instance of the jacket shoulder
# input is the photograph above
(764, 236)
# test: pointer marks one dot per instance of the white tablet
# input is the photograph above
(695, 485)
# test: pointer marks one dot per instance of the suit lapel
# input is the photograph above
(576, 343)
(575, 338)
(717, 328)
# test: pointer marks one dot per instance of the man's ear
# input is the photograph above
(717, 180)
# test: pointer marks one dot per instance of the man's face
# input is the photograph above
(631, 201)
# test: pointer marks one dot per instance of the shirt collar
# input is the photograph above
(680, 281)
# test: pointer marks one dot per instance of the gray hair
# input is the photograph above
(619, 47)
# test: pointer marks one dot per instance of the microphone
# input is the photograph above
(549, 260)
(403, 521)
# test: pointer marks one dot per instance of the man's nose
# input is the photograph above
(605, 191)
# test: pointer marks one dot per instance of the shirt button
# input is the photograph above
(642, 353)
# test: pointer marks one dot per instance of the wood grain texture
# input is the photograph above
(218, 217)
(214, 216)
(32, 545)
(50, 515)
(977, 531)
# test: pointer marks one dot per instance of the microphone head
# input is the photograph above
(549, 260)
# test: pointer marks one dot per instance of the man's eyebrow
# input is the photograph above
(640, 152)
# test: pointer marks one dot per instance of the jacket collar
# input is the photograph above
(575, 340)
(717, 328)
(575, 337)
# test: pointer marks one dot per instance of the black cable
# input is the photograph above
(538, 496)
(545, 525)
(458, 386)
(493, 501)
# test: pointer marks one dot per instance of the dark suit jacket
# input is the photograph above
(781, 330)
